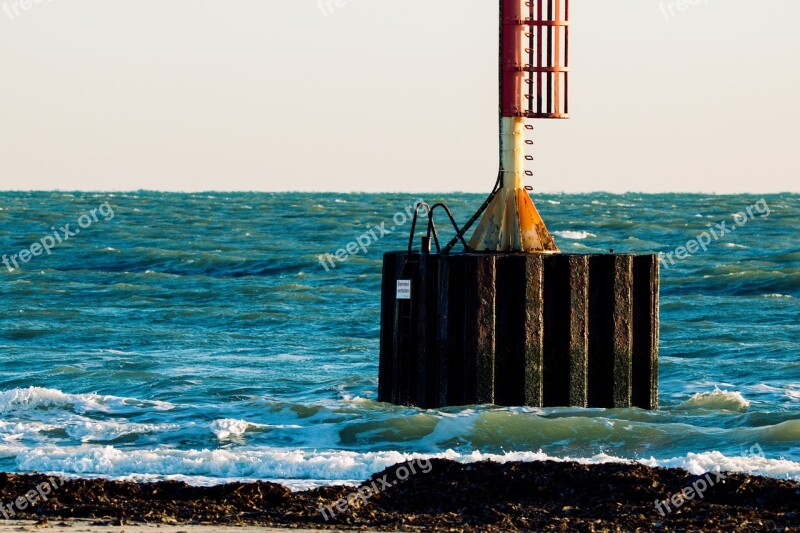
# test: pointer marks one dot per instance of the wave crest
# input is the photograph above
(32, 398)
(720, 400)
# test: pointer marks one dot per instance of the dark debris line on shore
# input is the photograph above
(481, 496)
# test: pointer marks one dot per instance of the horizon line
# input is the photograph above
(254, 191)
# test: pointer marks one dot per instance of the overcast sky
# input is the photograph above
(381, 95)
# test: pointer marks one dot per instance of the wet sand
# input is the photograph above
(441, 496)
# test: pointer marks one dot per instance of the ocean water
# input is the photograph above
(199, 337)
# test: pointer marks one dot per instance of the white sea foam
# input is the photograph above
(574, 235)
(578, 246)
(717, 400)
(32, 398)
(38, 421)
(301, 469)
(700, 463)
(87, 430)
(11, 431)
(224, 429)
(763, 387)
(269, 464)
(230, 428)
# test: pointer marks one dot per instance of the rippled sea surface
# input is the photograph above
(197, 336)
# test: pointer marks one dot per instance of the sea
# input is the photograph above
(215, 337)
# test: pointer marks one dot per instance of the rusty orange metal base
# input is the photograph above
(512, 223)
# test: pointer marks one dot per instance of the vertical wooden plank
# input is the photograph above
(601, 328)
(486, 289)
(511, 330)
(578, 330)
(388, 292)
(566, 303)
(469, 342)
(506, 377)
(443, 345)
(457, 319)
(431, 297)
(533, 332)
(403, 335)
(419, 373)
(623, 330)
(480, 328)
(555, 371)
(645, 331)
(655, 331)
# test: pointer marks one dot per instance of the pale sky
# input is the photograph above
(388, 95)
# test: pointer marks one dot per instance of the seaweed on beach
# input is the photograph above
(539, 496)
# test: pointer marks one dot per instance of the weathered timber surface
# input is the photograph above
(520, 330)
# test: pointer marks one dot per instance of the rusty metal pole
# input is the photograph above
(511, 222)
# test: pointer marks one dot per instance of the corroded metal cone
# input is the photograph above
(512, 223)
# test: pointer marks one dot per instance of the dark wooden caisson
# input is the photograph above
(539, 330)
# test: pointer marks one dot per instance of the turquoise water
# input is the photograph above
(198, 336)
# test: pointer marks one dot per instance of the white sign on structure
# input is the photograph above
(404, 289)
